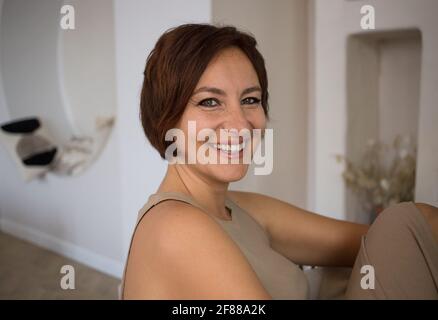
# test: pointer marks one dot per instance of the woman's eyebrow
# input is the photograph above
(210, 89)
(222, 92)
(251, 89)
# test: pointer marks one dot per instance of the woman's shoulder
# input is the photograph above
(171, 214)
(164, 246)
(170, 222)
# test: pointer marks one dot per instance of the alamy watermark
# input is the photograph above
(231, 147)
(68, 280)
(368, 20)
(368, 281)
(67, 21)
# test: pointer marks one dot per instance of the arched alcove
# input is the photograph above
(66, 78)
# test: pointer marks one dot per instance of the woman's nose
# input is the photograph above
(237, 119)
(237, 124)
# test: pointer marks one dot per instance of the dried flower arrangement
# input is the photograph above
(384, 176)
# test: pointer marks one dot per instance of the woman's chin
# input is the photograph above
(230, 172)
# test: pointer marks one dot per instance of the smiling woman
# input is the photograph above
(175, 66)
(199, 240)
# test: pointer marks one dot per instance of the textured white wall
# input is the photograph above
(333, 22)
(79, 217)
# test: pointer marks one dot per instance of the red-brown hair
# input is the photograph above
(174, 67)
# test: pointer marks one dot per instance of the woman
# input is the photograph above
(200, 241)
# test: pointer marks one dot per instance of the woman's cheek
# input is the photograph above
(259, 121)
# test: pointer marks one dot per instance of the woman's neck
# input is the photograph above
(208, 193)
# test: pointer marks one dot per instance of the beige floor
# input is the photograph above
(30, 272)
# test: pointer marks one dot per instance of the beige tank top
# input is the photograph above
(281, 278)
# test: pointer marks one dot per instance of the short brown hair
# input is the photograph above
(174, 67)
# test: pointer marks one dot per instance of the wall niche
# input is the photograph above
(383, 95)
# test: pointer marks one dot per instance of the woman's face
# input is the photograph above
(227, 96)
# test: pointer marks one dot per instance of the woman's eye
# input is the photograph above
(210, 102)
(251, 100)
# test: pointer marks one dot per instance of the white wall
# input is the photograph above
(399, 94)
(333, 22)
(87, 65)
(90, 217)
(29, 63)
(280, 28)
(79, 217)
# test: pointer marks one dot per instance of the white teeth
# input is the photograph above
(229, 148)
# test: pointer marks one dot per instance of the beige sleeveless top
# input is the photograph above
(281, 278)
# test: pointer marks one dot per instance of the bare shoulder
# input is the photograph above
(167, 215)
(174, 221)
(175, 251)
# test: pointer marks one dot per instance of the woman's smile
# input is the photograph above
(231, 151)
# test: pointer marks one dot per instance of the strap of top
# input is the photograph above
(155, 199)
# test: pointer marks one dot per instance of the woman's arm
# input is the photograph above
(302, 236)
